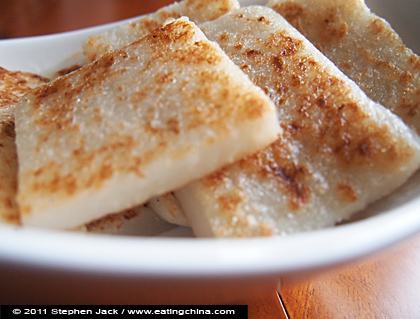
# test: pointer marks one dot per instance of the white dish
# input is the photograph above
(42, 266)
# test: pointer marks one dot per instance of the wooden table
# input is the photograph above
(386, 285)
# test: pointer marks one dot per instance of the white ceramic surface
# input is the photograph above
(42, 266)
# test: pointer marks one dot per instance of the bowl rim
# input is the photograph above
(194, 257)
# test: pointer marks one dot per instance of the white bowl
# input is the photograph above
(47, 267)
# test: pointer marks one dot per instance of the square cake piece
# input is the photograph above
(139, 122)
(339, 152)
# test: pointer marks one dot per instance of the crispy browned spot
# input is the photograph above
(266, 230)
(415, 61)
(377, 26)
(13, 219)
(404, 77)
(112, 219)
(224, 37)
(285, 44)
(216, 179)
(274, 163)
(229, 202)
(67, 70)
(347, 193)
(7, 128)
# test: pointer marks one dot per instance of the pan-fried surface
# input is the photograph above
(137, 123)
(339, 152)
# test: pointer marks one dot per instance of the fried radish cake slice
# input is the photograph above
(339, 151)
(196, 10)
(365, 47)
(13, 84)
(138, 123)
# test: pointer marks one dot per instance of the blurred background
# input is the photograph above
(23, 18)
